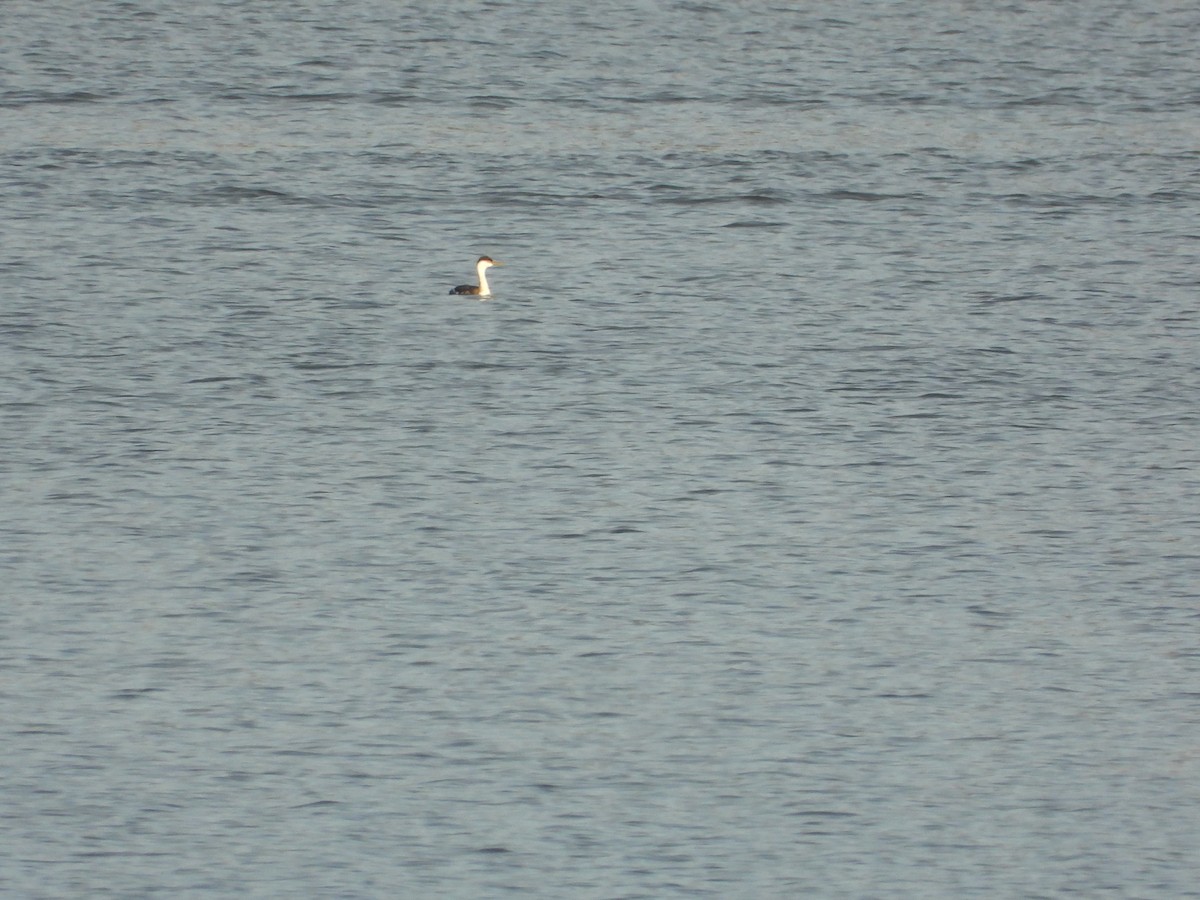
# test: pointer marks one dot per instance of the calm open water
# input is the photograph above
(812, 512)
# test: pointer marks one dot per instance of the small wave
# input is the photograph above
(18, 99)
(753, 224)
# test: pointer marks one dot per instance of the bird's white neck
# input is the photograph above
(481, 271)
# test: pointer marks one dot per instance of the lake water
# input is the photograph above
(813, 511)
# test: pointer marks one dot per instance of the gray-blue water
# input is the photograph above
(813, 511)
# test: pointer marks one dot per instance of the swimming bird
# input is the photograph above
(480, 290)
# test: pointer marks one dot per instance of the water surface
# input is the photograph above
(812, 512)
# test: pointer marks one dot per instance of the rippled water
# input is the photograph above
(812, 512)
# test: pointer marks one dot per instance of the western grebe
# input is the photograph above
(481, 290)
